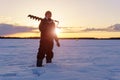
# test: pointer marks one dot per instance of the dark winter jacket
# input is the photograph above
(47, 29)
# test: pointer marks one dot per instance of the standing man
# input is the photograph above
(47, 29)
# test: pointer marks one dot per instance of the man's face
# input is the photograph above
(48, 15)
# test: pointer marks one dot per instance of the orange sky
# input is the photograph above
(72, 35)
(70, 13)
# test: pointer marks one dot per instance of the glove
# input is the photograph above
(58, 44)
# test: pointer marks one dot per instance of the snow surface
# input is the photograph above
(74, 60)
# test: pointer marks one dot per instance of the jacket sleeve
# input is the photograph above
(55, 35)
(56, 38)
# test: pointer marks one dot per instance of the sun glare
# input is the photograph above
(57, 31)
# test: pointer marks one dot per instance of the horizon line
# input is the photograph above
(111, 38)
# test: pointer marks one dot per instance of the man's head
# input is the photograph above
(48, 14)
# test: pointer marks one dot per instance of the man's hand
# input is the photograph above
(58, 44)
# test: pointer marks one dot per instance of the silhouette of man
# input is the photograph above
(47, 29)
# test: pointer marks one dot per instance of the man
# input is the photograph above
(47, 29)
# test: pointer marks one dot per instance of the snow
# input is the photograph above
(74, 60)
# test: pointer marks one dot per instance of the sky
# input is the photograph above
(79, 15)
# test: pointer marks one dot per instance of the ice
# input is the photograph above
(74, 60)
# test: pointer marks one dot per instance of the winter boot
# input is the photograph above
(48, 61)
(39, 63)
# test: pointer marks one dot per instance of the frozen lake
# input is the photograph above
(74, 60)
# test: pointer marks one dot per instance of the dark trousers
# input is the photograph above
(45, 50)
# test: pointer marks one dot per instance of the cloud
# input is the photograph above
(6, 29)
(113, 28)
(70, 29)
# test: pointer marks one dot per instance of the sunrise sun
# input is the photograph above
(57, 31)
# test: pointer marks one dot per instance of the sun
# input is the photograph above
(57, 31)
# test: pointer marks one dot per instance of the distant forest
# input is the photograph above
(90, 38)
